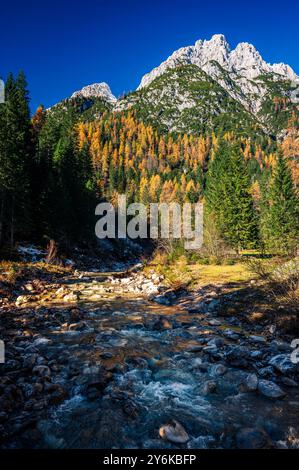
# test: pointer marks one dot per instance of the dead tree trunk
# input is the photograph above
(52, 252)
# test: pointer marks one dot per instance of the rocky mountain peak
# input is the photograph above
(247, 59)
(96, 90)
(244, 61)
(219, 39)
(217, 48)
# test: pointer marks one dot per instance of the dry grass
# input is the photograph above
(281, 281)
(181, 273)
(214, 274)
(12, 272)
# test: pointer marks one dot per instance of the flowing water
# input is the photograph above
(149, 377)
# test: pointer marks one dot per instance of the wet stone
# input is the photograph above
(218, 369)
(283, 364)
(174, 432)
(252, 438)
(250, 383)
(162, 324)
(231, 334)
(289, 382)
(266, 372)
(209, 387)
(257, 339)
(270, 389)
(42, 370)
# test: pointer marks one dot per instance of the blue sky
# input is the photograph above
(63, 45)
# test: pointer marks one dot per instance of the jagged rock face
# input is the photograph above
(186, 99)
(244, 65)
(97, 90)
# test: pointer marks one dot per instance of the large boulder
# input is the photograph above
(270, 389)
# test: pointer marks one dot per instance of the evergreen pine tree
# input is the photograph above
(280, 210)
(15, 160)
(228, 197)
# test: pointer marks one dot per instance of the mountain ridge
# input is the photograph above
(263, 90)
(243, 62)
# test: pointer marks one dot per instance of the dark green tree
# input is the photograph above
(16, 155)
(280, 210)
(228, 197)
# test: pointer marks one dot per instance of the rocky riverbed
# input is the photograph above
(101, 360)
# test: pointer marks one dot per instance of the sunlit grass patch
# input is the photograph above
(209, 274)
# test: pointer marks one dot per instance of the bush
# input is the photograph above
(281, 280)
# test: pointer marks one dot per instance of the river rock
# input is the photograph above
(43, 371)
(57, 394)
(270, 389)
(91, 370)
(162, 300)
(283, 364)
(131, 408)
(251, 382)
(211, 351)
(289, 382)
(198, 363)
(29, 360)
(257, 339)
(194, 348)
(256, 354)
(71, 297)
(215, 342)
(41, 342)
(252, 438)
(22, 300)
(281, 346)
(208, 387)
(106, 355)
(266, 372)
(237, 356)
(231, 334)
(174, 432)
(218, 369)
(75, 314)
(96, 383)
(214, 306)
(162, 324)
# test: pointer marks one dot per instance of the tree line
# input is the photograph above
(56, 165)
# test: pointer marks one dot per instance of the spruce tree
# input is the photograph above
(280, 210)
(15, 160)
(228, 197)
